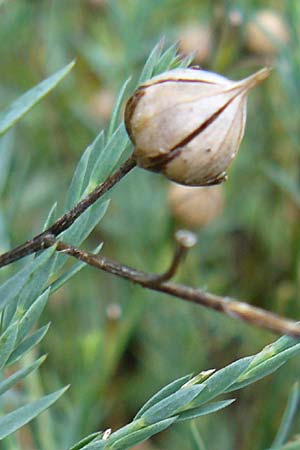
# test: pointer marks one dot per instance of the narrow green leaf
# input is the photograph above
(71, 272)
(221, 380)
(109, 156)
(97, 147)
(19, 375)
(198, 443)
(288, 417)
(204, 409)
(36, 284)
(151, 62)
(7, 343)
(98, 445)
(28, 344)
(32, 315)
(171, 405)
(265, 368)
(13, 285)
(16, 419)
(90, 438)
(273, 349)
(6, 152)
(24, 103)
(141, 435)
(285, 181)
(85, 224)
(166, 391)
(29, 292)
(117, 108)
(50, 217)
(81, 228)
(167, 61)
(77, 184)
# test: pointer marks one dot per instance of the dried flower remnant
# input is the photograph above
(188, 123)
(195, 207)
(266, 32)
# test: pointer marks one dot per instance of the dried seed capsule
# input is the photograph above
(102, 104)
(266, 32)
(188, 123)
(195, 207)
(197, 39)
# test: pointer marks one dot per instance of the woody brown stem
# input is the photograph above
(40, 241)
(226, 305)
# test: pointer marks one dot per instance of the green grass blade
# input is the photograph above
(109, 156)
(197, 440)
(32, 315)
(13, 285)
(141, 435)
(171, 405)
(264, 368)
(117, 108)
(221, 380)
(90, 438)
(151, 62)
(16, 419)
(166, 391)
(19, 375)
(24, 103)
(28, 344)
(77, 184)
(288, 417)
(205, 409)
(7, 343)
(51, 216)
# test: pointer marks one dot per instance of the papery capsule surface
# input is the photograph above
(188, 123)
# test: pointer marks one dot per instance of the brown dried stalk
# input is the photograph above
(229, 306)
(160, 283)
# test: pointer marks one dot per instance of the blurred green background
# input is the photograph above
(117, 343)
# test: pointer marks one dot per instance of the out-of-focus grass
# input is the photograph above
(115, 343)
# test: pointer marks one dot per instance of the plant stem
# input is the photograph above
(64, 222)
(226, 305)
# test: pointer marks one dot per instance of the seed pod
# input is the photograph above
(197, 39)
(195, 207)
(188, 123)
(102, 104)
(266, 32)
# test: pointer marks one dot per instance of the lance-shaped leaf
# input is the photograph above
(87, 440)
(19, 375)
(222, 380)
(7, 343)
(27, 344)
(166, 391)
(16, 419)
(204, 409)
(288, 418)
(172, 404)
(24, 103)
(264, 368)
(13, 285)
(32, 315)
(141, 435)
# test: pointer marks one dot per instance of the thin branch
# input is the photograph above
(184, 241)
(64, 222)
(231, 307)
